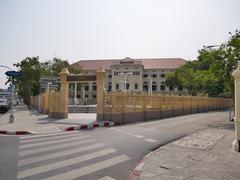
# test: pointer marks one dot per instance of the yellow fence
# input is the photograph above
(48, 103)
(125, 107)
(41, 102)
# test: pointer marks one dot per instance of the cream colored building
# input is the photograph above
(128, 75)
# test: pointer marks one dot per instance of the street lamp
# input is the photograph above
(11, 117)
(125, 79)
(211, 46)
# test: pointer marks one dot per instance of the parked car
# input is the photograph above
(4, 104)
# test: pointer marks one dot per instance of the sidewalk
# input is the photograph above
(26, 120)
(204, 155)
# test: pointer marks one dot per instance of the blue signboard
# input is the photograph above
(14, 74)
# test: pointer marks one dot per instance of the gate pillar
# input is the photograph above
(101, 76)
(63, 110)
(236, 142)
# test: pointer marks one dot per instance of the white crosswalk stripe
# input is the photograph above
(137, 136)
(76, 173)
(64, 163)
(150, 140)
(106, 178)
(51, 142)
(48, 135)
(55, 147)
(59, 154)
(48, 157)
(49, 138)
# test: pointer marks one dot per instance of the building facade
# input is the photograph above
(127, 75)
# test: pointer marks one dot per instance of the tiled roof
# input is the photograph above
(152, 63)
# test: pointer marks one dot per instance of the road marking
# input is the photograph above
(137, 136)
(56, 147)
(64, 163)
(120, 130)
(48, 135)
(76, 173)
(128, 133)
(150, 140)
(52, 142)
(106, 178)
(22, 141)
(58, 154)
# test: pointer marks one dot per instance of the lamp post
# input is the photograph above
(125, 79)
(211, 46)
(11, 117)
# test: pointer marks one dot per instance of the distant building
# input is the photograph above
(129, 75)
(49, 81)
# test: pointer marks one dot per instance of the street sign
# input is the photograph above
(14, 74)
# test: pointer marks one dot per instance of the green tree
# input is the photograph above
(211, 74)
(28, 84)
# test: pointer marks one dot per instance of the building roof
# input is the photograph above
(152, 63)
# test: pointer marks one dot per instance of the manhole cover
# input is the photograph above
(199, 140)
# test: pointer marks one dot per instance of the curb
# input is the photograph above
(15, 132)
(90, 126)
(138, 169)
(81, 127)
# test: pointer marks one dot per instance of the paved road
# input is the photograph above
(103, 153)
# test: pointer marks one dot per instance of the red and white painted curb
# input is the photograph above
(73, 128)
(91, 125)
(15, 132)
(138, 169)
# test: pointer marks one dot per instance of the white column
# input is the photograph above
(236, 142)
(75, 94)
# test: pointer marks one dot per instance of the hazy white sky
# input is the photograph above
(97, 29)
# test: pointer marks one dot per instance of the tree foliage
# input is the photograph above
(211, 73)
(32, 70)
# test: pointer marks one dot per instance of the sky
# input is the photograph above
(107, 29)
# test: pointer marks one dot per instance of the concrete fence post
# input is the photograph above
(236, 142)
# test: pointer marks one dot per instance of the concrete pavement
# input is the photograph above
(204, 155)
(34, 122)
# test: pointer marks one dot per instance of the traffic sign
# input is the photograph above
(14, 74)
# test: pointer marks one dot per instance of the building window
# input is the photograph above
(86, 88)
(78, 96)
(154, 75)
(145, 86)
(116, 73)
(117, 86)
(94, 96)
(94, 88)
(180, 88)
(109, 76)
(127, 85)
(136, 73)
(171, 88)
(145, 75)
(162, 87)
(162, 75)
(154, 86)
(136, 86)
(78, 87)
(86, 96)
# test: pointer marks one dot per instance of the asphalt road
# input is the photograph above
(95, 154)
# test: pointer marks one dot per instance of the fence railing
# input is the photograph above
(124, 107)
